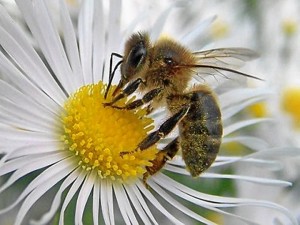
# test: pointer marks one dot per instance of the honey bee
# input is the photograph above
(162, 71)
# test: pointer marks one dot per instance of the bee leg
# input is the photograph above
(139, 102)
(162, 131)
(126, 92)
(149, 109)
(167, 153)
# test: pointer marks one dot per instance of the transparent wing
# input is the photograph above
(225, 56)
(217, 61)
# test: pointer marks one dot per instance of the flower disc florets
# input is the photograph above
(99, 135)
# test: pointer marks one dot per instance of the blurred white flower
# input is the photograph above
(272, 27)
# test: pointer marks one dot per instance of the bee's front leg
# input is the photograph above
(149, 96)
(132, 87)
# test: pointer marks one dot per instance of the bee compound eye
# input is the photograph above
(137, 55)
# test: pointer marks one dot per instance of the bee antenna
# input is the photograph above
(112, 72)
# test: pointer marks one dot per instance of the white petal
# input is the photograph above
(8, 167)
(161, 20)
(26, 101)
(15, 116)
(83, 196)
(200, 30)
(27, 164)
(36, 148)
(55, 52)
(275, 153)
(209, 201)
(210, 205)
(16, 147)
(241, 124)
(139, 204)
(142, 15)
(176, 204)
(40, 191)
(237, 96)
(96, 201)
(204, 200)
(74, 188)
(124, 204)
(258, 180)
(40, 179)
(226, 160)
(25, 86)
(231, 111)
(262, 163)
(98, 42)
(57, 198)
(16, 110)
(85, 37)
(257, 158)
(12, 137)
(113, 33)
(157, 204)
(107, 202)
(49, 41)
(21, 124)
(70, 41)
(248, 141)
(27, 58)
(262, 158)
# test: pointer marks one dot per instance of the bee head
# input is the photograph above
(134, 58)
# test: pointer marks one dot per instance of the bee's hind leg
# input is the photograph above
(167, 153)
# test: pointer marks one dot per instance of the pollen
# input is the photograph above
(290, 103)
(99, 136)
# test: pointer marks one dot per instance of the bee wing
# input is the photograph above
(225, 56)
(217, 61)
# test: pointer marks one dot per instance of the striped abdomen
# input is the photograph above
(200, 130)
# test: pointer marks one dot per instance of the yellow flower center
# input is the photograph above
(289, 27)
(98, 135)
(258, 110)
(291, 104)
(219, 29)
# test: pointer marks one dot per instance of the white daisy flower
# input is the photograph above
(278, 22)
(53, 125)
